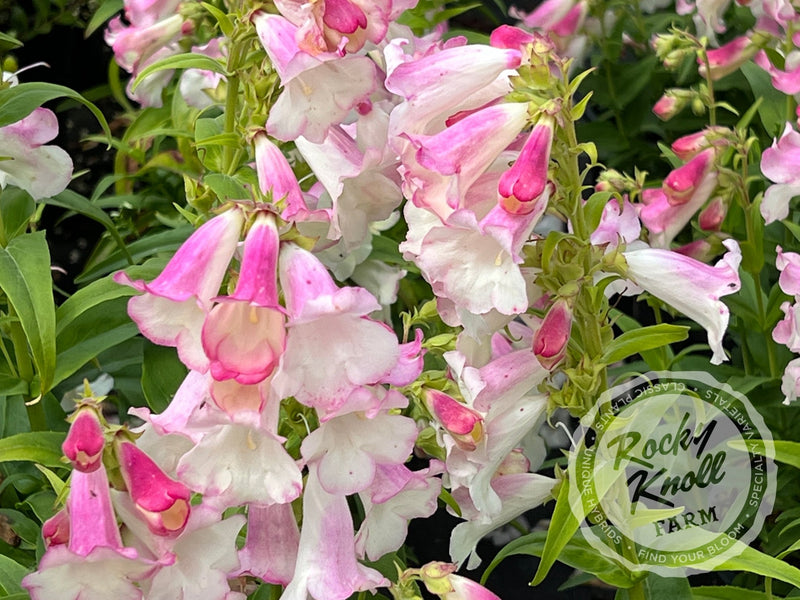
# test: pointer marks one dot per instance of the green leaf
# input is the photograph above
(17, 207)
(580, 107)
(593, 209)
(100, 291)
(55, 481)
(180, 61)
(91, 333)
(43, 447)
(577, 553)
(659, 588)
(164, 241)
(19, 101)
(225, 23)
(658, 359)
(25, 278)
(226, 187)
(563, 526)
(770, 111)
(9, 41)
(793, 228)
(24, 527)
(726, 592)
(747, 117)
(103, 13)
(11, 574)
(11, 386)
(753, 561)
(74, 201)
(785, 451)
(162, 374)
(640, 340)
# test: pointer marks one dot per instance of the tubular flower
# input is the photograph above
(41, 170)
(174, 305)
(690, 286)
(244, 335)
(779, 164)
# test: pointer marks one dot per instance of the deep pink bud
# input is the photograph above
(85, 441)
(712, 216)
(161, 501)
(688, 146)
(671, 103)
(680, 184)
(526, 180)
(464, 424)
(55, 530)
(550, 340)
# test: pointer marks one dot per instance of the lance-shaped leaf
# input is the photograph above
(25, 280)
(19, 101)
(641, 340)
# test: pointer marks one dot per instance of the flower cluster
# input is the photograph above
(334, 154)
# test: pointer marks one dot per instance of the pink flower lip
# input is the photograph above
(162, 502)
(344, 16)
(681, 183)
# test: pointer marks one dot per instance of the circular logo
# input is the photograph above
(673, 473)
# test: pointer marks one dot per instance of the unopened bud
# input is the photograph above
(85, 441)
(464, 424)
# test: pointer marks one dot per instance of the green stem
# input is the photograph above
(35, 410)
(574, 184)
(762, 313)
(231, 103)
(712, 103)
(768, 587)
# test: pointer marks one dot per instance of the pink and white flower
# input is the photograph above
(779, 164)
(690, 286)
(41, 170)
(243, 335)
(173, 307)
(332, 347)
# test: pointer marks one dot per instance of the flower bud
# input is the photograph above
(161, 501)
(85, 441)
(526, 180)
(55, 530)
(712, 216)
(671, 103)
(674, 59)
(464, 424)
(550, 340)
(688, 146)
